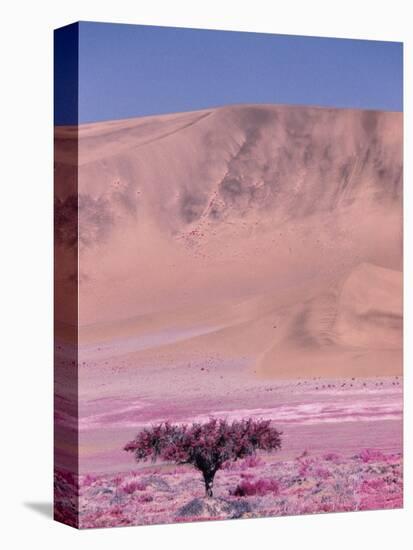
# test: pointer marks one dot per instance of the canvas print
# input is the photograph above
(228, 275)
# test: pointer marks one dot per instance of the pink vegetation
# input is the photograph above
(308, 484)
(259, 487)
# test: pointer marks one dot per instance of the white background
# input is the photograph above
(26, 271)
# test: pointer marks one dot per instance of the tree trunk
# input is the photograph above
(209, 482)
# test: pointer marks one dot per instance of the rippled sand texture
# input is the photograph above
(239, 261)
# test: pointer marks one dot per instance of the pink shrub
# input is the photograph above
(116, 512)
(331, 457)
(322, 473)
(370, 455)
(373, 485)
(144, 498)
(132, 486)
(260, 487)
(304, 467)
(117, 480)
(304, 454)
(88, 480)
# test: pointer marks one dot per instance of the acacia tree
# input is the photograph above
(205, 446)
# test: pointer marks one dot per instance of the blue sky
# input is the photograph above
(133, 70)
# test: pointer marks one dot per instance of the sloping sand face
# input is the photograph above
(225, 251)
(354, 329)
(243, 216)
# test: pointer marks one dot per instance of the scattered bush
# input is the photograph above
(321, 473)
(370, 455)
(143, 498)
(331, 457)
(88, 480)
(260, 487)
(132, 486)
(354, 483)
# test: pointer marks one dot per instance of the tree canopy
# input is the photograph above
(206, 446)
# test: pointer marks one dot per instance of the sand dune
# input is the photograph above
(232, 221)
(371, 309)
(355, 328)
